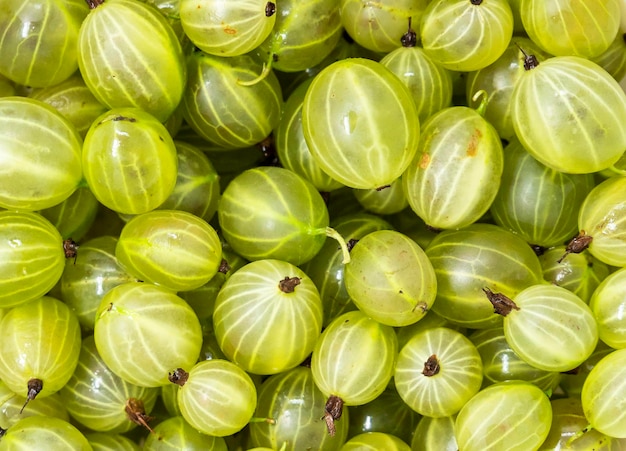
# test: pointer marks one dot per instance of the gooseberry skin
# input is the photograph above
(430, 84)
(226, 27)
(14, 407)
(144, 331)
(608, 305)
(73, 99)
(602, 216)
(84, 283)
(603, 395)
(390, 278)
(197, 188)
(291, 147)
(514, 415)
(96, 397)
(467, 260)
(456, 172)
(175, 434)
(39, 433)
(293, 400)
(261, 327)
(125, 69)
(219, 398)
(171, 248)
(270, 212)
(31, 257)
(40, 340)
(372, 441)
(536, 202)
(327, 270)
(501, 363)
(475, 34)
(498, 80)
(579, 129)
(129, 161)
(38, 42)
(246, 116)
(459, 372)
(40, 152)
(102, 441)
(75, 215)
(553, 330)
(305, 32)
(379, 26)
(571, 27)
(354, 359)
(568, 422)
(360, 123)
(579, 273)
(434, 433)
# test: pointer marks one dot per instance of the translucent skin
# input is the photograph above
(245, 116)
(567, 113)
(96, 397)
(515, 416)
(390, 278)
(160, 333)
(603, 393)
(129, 161)
(218, 398)
(171, 248)
(31, 432)
(378, 26)
(38, 44)
(602, 216)
(355, 377)
(40, 150)
(126, 69)
(293, 400)
(41, 341)
(261, 327)
(226, 27)
(572, 27)
(31, 257)
(463, 36)
(270, 212)
(360, 123)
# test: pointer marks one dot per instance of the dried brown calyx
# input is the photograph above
(178, 377)
(34, 387)
(289, 284)
(409, 39)
(502, 304)
(224, 267)
(93, 4)
(136, 413)
(70, 248)
(530, 61)
(538, 250)
(578, 244)
(270, 9)
(333, 411)
(351, 243)
(431, 366)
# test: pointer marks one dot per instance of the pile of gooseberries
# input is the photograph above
(238, 225)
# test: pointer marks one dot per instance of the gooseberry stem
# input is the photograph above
(617, 170)
(267, 67)
(578, 435)
(483, 103)
(262, 420)
(332, 233)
